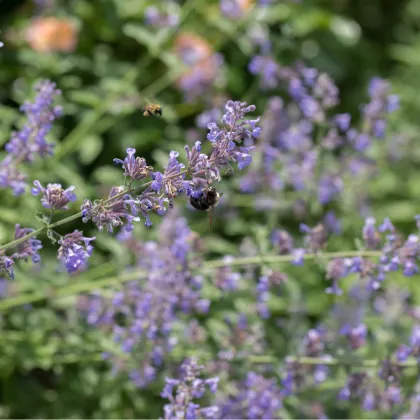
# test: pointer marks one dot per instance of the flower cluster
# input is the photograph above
(54, 196)
(308, 148)
(109, 214)
(230, 144)
(144, 313)
(234, 9)
(74, 251)
(123, 206)
(394, 253)
(188, 388)
(31, 140)
(163, 17)
(256, 398)
(24, 250)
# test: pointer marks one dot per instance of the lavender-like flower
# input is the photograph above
(257, 398)
(267, 69)
(143, 315)
(6, 266)
(74, 251)
(134, 167)
(30, 141)
(164, 17)
(28, 248)
(171, 182)
(54, 196)
(111, 213)
(188, 389)
(234, 9)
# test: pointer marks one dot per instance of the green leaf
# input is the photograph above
(90, 149)
(85, 97)
(142, 36)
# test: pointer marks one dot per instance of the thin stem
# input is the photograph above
(330, 361)
(88, 285)
(76, 216)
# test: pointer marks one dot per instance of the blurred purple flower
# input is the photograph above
(30, 141)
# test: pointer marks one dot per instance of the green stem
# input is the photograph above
(330, 361)
(75, 216)
(88, 285)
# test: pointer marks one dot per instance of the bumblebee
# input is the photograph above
(152, 110)
(207, 201)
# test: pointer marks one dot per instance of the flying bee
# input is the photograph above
(207, 201)
(152, 110)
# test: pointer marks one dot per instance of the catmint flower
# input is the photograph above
(332, 223)
(268, 70)
(169, 17)
(355, 386)
(151, 307)
(370, 233)
(315, 238)
(356, 335)
(224, 139)
(171, 182)
(256, 398)
(391, 397)
(336, 270)
(329, 187)
(54, 196)
(283, 241)
(6, 266)
(263, 288)
(134, 167)
(298, 256)
(30, 141)
(225, 278)
(109, 214)
(381, 104)
(74, 251)
(228, 146)
(187, 389)
(234, 9)
(369, 401)
(390, 372)
(343, 121)
(29, 248)
(205, 118)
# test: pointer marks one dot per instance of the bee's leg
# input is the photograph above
(210, 212)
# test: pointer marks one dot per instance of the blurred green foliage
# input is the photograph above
(50, 364)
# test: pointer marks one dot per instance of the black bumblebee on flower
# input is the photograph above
(206, 201)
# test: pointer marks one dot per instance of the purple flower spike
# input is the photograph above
(31, 140)
(6, 266)
(29, 248)
(54, 197)
(75, 250)
(188, 387)
(134, 167)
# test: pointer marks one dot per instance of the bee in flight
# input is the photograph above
(152, 110)
(207, 201)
